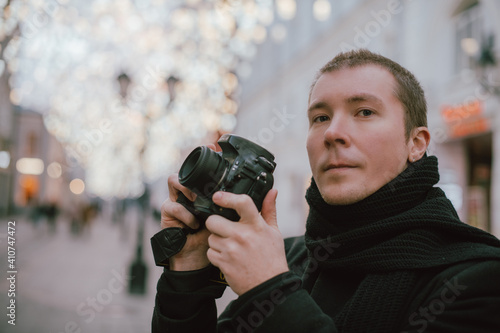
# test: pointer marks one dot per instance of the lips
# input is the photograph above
(338, 166)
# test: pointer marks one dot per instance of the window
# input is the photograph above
(468, 27)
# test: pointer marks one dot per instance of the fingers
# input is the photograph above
(268, 211)
(214, 257)
(247, 211)
(246, 208)
(215, 242)
(174, 187)
(221, 247)
(241, 203)
(220, 226)
(174, 214)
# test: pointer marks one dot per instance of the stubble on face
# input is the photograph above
(355, 119)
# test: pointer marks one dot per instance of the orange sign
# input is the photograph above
(465, 119)
(460, 112)
(467, 128)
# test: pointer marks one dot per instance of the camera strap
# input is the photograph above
(170, 241)
(167, 243)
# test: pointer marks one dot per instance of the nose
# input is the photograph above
(338, 132)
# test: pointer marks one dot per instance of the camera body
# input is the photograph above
(242, 167)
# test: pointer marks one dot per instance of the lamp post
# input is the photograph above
(487, 66)
(138, 269)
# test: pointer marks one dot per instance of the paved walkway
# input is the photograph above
(68, 283)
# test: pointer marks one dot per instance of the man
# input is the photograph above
(384, 250)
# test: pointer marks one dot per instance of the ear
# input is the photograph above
(418, 143)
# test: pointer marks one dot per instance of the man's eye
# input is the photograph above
(366, 113)
(321, 119)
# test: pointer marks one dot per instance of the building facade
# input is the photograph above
(440, 42)
(6, 144)
(38, 172)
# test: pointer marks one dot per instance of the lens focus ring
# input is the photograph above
(202, 171)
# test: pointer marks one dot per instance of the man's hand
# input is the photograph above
(250, 251)
(193, 255)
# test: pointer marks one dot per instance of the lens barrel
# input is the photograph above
(202, 171)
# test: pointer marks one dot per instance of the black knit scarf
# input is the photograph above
(405, 226)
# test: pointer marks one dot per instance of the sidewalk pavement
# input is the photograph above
(68, 283)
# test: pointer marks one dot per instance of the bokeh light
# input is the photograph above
(4, 159)
(286, 9)
(30, 166)
(322, 10)
(77, 186)
(54, 170)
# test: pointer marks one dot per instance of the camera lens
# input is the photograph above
(202, 171)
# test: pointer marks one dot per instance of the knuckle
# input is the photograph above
(259, 227)
(164, 205)
(210, 239)
(231, 248)
(211, 222)
(168, 223)
(245, 199)
(174, 208)
(208, 221)
(173, 179)
(241, 238)
(211, 256)
(172, 214)
(166, 208)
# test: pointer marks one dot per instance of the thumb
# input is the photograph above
(269, 208)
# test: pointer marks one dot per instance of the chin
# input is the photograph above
(340, 201)
(343, 197)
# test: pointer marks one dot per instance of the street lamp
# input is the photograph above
(138, 269)
(124, 82)
(171, 82)
(485, 62)
(487, 65)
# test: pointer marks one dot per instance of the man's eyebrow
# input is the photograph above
(363, 98)
(318, 105)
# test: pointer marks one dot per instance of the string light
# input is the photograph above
(184, 61)
(322, 10)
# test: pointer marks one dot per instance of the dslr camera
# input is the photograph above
(242, 167)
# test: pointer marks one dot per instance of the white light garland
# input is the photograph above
(65, 59)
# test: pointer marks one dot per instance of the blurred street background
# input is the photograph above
(101, 100)
(78, 277)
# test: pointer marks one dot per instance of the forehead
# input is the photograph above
(361, 80)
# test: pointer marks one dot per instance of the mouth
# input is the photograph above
(339, 167)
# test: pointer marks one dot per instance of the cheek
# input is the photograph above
(312, 149)
(388, 156)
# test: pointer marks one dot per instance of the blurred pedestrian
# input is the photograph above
(51, 211)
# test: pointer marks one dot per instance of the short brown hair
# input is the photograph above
(408, 89)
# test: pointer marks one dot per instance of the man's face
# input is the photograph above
(356, 141)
